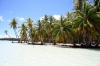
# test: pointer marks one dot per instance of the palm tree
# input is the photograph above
(40, 30)
(46, 27)
(13, 25)
(78, 4)
(35, 34)
(52, 20)
(30, 25)
(69, 19)
(86, 21)
(6, 32)
(23, 32)
(97, 5)
(62, 30)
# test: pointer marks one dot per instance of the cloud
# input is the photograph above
(41, 18)
(1, 18)
(20, 18)
(57, 17)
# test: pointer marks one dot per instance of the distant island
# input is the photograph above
(9, 39)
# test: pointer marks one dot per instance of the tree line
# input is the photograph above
(81, 26)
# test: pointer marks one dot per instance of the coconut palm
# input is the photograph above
(40, 31)
(30, 25)
(13, 25)
(78, 4)
(69, 19)
(47, 27)
(86, 21)
(6, 32)
(52, 20)
(36, 36)
(62, 30)
(97, 5)
(23, 32)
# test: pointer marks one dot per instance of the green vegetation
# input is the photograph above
(13, 25)
(81, 26)
(9, 39)
(6, 32)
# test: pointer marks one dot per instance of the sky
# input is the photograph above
(35, 9)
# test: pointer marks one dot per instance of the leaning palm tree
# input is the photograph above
(6, 32)
(13, 25)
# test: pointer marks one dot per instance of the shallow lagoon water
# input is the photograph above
(17, 54)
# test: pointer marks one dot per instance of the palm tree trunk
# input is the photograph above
(32, 40)
(54, 42)
(64, 39)
(98, 41)
(84, 39)
(26, 38)
(9, 35)
(78, 39)
(89, 40)
(16, 35)
(15, 32)
(73, 41)
(41, 39)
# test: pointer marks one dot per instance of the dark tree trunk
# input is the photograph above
(74, 44)
(89, 40)
(98, 42)
(84, 39)
(17, 37)
(54, 42)
(15, 33)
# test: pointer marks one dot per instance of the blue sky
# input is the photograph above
(23, 9)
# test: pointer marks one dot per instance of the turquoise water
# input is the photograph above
(16, 54)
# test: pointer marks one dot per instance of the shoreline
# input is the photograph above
(62, 45)
(66, 45)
